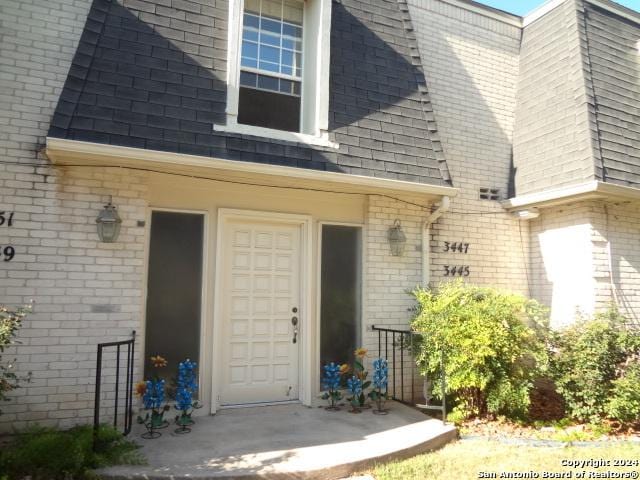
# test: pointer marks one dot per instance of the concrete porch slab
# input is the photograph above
(285, 441)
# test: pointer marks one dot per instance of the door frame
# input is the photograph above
(304, 222)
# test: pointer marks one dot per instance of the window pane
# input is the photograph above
(251, 20)
(271, 40)
(174, 289)
(340, 293)
(252, 6)
(250, 49)
(270, 54)
(288, 43)
(291, 31)
(296, 88)
(269, 109)
(287, 57)
(248, 79)
(272, 8)
(286, 86)
(270, 26)
(267, 83)
(267, 39)
(249, 62)
(248, 34)
(292, 12)
(269, 67)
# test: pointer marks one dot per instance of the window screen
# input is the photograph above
(271, 64)
(174, 290)
(340, 293)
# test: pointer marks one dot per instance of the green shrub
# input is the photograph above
(624, 404)
(46, 453)
(10, 323)
(584, 365)
(493, 344)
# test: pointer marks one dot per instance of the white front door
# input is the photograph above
(260, 294)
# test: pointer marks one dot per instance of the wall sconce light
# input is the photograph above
(109, 223)
(397, 239)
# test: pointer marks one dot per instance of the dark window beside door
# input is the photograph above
(340, 293)
(174, 290)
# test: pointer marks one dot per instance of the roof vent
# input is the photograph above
(490, 194)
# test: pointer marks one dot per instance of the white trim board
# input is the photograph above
(573, 193)
(74, 152)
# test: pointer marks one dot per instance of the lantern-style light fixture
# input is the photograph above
(109, 223)
(397, 239)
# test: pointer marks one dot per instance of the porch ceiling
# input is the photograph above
(285, 441)
(76, 153)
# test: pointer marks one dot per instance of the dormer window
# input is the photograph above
(271, 64)
(278, 69)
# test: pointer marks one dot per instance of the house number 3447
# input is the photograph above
(7, 252)
(459, 247)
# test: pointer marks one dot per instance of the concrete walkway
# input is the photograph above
(285, 441)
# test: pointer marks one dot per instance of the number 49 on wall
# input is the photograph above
(7, 252)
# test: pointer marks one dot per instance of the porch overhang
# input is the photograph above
(595, 190)
(71, 153)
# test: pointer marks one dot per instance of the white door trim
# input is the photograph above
(306, 266)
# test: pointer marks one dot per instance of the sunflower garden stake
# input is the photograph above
(186, 387)
(380, 383)
(360, 372)
(331, 384)
(152, 393)
(354, 384)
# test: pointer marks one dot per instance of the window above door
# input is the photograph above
(278, 69)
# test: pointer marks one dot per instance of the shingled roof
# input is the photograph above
(578, 101)
(613, 73)
(151, 74)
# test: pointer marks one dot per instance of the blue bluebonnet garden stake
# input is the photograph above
(331, 385)
(152, 393)
(153, 399)
(186, 387)
(354, 384)
(380, 382)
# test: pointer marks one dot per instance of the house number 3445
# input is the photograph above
(7, 252)
(451, 271)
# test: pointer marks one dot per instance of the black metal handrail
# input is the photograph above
(128, 414)
(403, 345)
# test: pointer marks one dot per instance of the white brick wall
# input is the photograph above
(471, 66)
(58, 260)
(389, 281)
(561, 262)
(616, 241)
(585, 257)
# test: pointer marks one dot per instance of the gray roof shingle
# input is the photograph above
(151, 74)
